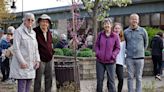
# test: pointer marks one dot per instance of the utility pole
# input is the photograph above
(22, 8)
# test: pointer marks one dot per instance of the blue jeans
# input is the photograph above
(100, 71)
(135, 67)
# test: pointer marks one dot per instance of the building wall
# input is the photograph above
(148, 9)
(62, 26)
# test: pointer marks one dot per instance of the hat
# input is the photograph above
(44, 17)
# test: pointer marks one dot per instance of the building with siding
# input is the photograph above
(151, 14)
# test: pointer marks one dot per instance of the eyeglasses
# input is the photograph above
(106, 26)
(30, 20)
(9, 33)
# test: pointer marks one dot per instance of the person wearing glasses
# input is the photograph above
(26, 57)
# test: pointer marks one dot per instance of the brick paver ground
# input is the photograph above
(149, 84)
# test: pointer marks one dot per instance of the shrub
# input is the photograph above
(67, 52)
(147, 53)
(86, 52)
(58, 51)
(55, 40)
(152, 32)
(86, 49)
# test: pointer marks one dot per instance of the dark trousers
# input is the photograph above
(46, 70)
(100, 71)
(24, 85)
(157, 61)
(120, 76)
(5, 69)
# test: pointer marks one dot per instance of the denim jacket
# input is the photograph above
(136, 42)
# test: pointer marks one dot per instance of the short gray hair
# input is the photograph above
(28, 15)
(134, 14)
(107, 20)
(10, 29)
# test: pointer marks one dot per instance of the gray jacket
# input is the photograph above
(25, 48)
(136, 42)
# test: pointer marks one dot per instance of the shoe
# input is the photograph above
(3, 80)
(10, 81)
(158, 77)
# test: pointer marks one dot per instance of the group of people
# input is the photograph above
(80, 41)
(31, 54)
(115, 46)
(6, 42)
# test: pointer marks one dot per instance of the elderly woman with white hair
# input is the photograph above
(26, 56)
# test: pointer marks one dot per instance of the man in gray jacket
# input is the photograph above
(136, 42)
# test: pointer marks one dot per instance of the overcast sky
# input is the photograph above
(39, 4)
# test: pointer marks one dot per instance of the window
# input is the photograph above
(155, 19)
(162, 18)
(126, 21)
(118, 19)
(145, 20)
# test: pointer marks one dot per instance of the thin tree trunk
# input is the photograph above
(95, 28)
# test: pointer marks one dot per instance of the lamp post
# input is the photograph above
(22, 8)
(12, 5)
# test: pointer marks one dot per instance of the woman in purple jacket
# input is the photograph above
(107, 47)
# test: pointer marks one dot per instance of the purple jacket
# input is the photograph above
(107, 48)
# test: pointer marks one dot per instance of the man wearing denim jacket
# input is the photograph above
(136, 39)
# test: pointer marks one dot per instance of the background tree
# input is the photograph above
(98, 10)
(4, 10)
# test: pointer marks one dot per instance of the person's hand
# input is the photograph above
(23, 66)
(36, 65)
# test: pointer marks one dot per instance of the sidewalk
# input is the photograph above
(148, 82)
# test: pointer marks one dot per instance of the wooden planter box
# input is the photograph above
(87, 66)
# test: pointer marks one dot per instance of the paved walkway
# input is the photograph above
(149, 84)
